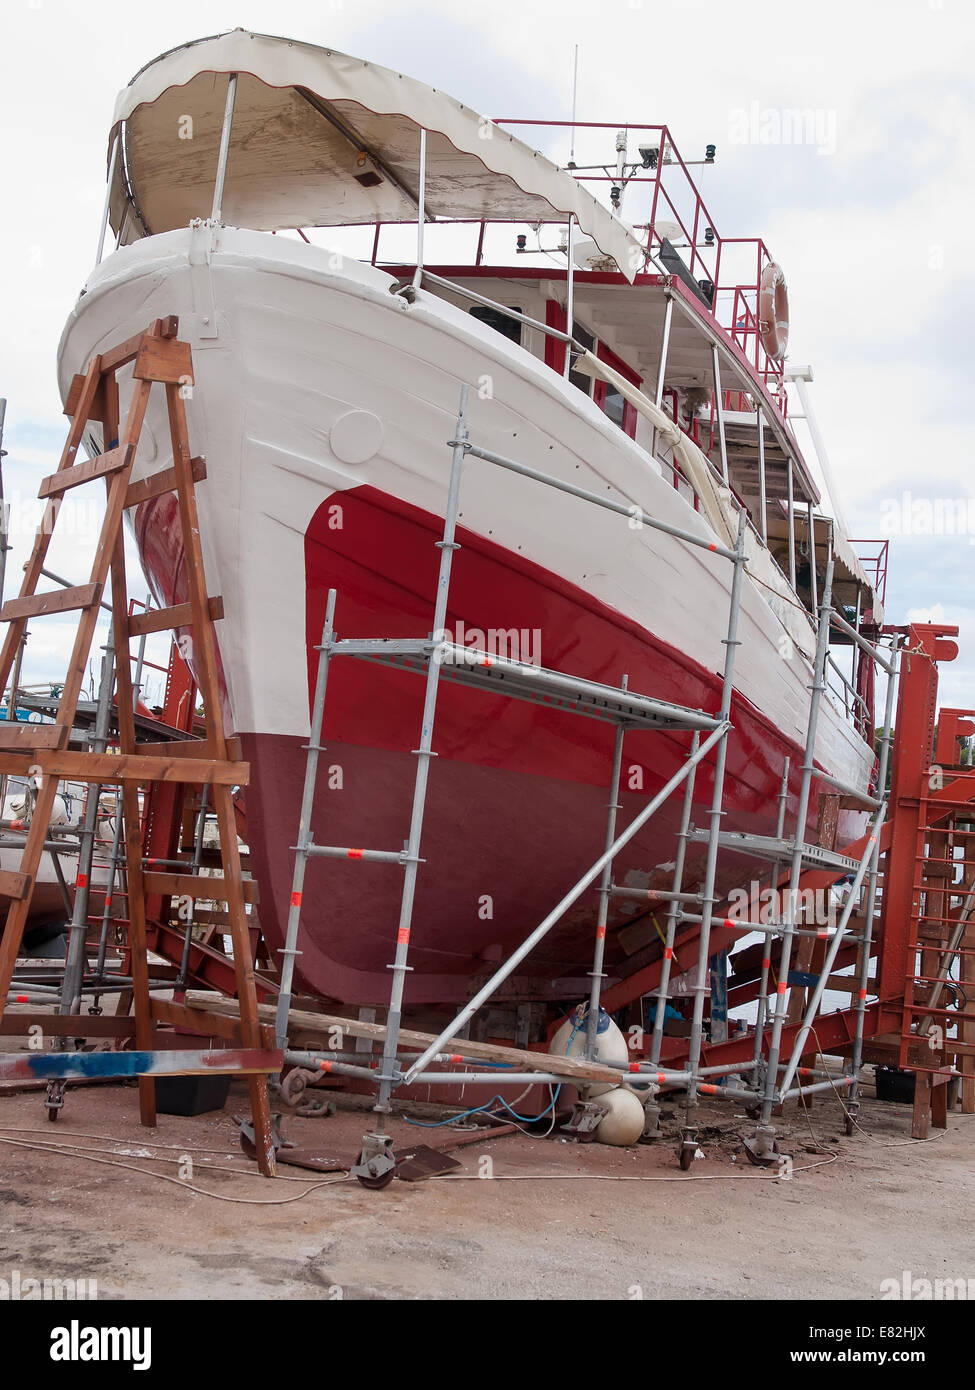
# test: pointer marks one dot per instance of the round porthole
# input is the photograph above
(356, 436)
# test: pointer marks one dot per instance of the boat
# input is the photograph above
(345, 249)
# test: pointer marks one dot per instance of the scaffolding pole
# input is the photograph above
(612, 811)
(731, 642)
(808, 766)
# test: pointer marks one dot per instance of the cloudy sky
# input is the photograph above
(869, 218)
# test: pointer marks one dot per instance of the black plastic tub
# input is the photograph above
(191, 1095)
(895, 1085)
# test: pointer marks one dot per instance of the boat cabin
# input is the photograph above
(675, 333)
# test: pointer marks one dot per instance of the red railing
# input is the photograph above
(874, 564)
(735, 301)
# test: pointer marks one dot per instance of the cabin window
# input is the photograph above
(581, 379)
(610, 398)
(555, 350)
(500, 322)
(614, 405)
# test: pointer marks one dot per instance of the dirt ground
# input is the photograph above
(556, 1221)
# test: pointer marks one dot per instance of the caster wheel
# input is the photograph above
(377, 1184)
(686, 1155)
(849, 1126)
(52, 1113)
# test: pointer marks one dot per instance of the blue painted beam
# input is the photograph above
(44, 1066)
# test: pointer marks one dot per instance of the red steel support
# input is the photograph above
(926, 645)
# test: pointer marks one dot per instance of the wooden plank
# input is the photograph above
(18, 1019)
(98, 467)
(178, 748)
(57, 601)
(124, 703)
(204, 642)
(17, 913)
(163, 619)
(126, 767)
(14, 885)
(97, 406)
(208, 1024)
(570, 1067)
(197, 886)
(160, 483)
(164, 359)
(121, 354)
(16, 735)
(921, 1117)
(144, 1062)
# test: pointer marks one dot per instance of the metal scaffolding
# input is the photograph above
(625, 710)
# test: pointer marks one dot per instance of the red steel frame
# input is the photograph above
(922, 746)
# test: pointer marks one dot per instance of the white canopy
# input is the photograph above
(322, 139)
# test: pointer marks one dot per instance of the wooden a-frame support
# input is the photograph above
(41, 750)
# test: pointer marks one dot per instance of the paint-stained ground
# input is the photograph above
(554, 1221)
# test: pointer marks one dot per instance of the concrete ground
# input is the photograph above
(551, 1219)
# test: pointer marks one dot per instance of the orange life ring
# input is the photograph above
(773, 311)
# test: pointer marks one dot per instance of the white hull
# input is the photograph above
(303, 338)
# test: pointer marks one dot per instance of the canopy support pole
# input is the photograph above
(216, 212)
(569, 300)
(421, 210)
(108, 197)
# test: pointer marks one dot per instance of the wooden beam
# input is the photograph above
(97, 405)
(57, 601)
(145, 1062)
(160, 483)
(119, 356)
(209, 1025)
(164, 359)
(163, 619)
(16, 735)
(17, 1020)
(127, 767)
(83, 472)
(196, 886)
(14, 885)
(570, 1067)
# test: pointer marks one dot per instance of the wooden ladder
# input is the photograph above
(41, 751)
